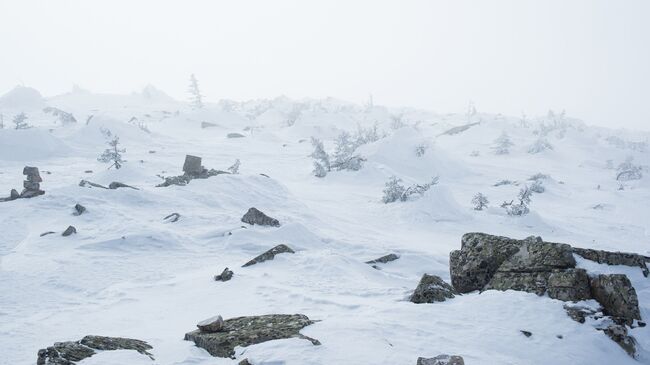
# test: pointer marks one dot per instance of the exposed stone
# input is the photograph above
(384, 259)
(174, 217)
(46, 233)
(13, 194)
(526, 333)
(579, 313)
(441, 360)
(185, 179)
(245, 362)
(270, 254)
(254, 216)
(90, 184)
(207, 125)
(68, 231)
(617, 296)
(192, 165)
(68, 353)
(569, 285)
(432, 289)
(235, 135)
(117, 185)
(211, 325)
(79, 209)
(225, 275)
(31, 183)
(531, 282)
(246, 331)
(618, 334)
(615, 258)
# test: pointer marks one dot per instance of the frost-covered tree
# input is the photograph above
(344, 153)
(421, 149)
(521, 208)
(393, 190)
(540, 145)
(20, 121)
(366, 135)
(322, 159)
(502, 144)
(234, 168)
(63, 117)
(480, 201)
(418, 189)
(295, 113)
(537, 187)
(471, 111)
(628, 171)
(196, 99)
(397, 121)
(113, 154)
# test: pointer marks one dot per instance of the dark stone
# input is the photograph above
(432, 289)
(32, 174)
(526, 333)
(185, 179)
(68, 231)
(211, 325)
(46, 233)
(90, 184)
(68, 353)
(384, 259)
(531, 282)
(117, 185)
(79, 209)
(174, 217)
(579, 313)
(270, 254)
(225, 275)
(441, 360)
(617, 296)
(13, 195)
(31, 193)
(30, 185)
(255, 216)
(192, 165)
(618, 334)
(235, 135)
(614, 258)
(207, 125)
(246, 331)
(245, 362)
(569, 285)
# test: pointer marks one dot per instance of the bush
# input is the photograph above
(480, 201)
(394, 190)
(521, 208)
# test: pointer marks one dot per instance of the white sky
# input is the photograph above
(589, 57)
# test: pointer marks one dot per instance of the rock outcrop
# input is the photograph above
(254, 216)
(79, 209)
(192, 169)
(432, 289)
(32, 186)
(211, 325)
(246, 331)
(442, 360)
(270, 254)
(225, 275)
(70, 352)
(69, 231)
(617, 296)
(384, 259)
(614, 258)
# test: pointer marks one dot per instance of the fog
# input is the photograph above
(590, 58)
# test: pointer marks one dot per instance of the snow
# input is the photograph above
(129, 273)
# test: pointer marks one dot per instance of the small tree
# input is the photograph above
(520, 208)
(319, 170)
(537, 187)
(421, 149)
(344, 156)
(234, 169)
(540, 145)
(502, 144)
(480, 201)
(20, 121)
(196, 99)
(628, 171)
(113, 154)
(322, 163)
(393, 190)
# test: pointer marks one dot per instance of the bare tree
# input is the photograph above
(113, 154)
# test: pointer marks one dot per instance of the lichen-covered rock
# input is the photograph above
(531, 282)
(384, 259)
(569, 285)
(79, 209)
(441, 360)
(432, 289)
(617, 296)
(618, 334)
(254, 216)
(615, 258)
(579, 313)
(246, 331)
(211, 325)
(534, 255)
(225, 275)
(68, 231)
(270, 254)
(68, 353)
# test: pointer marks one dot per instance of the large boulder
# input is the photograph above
(68, 353)
(246, 331)
(432, 289)
(569, 285)
(192, 165)
(441, 360)
(270, 254)
(254, 216)
(617, 296)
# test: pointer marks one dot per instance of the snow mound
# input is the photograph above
(438, 205)
(22, 98)
(30, 144)
(92, 134)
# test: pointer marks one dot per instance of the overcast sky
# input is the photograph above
(589, 57)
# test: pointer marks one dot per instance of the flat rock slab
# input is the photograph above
(270, 254)
(246, 331)
(69, 352)
(384, 259)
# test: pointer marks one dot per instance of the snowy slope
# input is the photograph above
(128, 273)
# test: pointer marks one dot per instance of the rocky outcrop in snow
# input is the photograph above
(270, 254)
(225, 275)
(432, 289)
(442, 360)
(192, 169)
(254, 216)
(70, 352)
(614, 258)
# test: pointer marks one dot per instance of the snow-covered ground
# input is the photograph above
(129, 273)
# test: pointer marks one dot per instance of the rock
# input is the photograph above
(13, 195)
(116, 185)
(384, 259)
(531, 282)
(68, 231)
(255, 216)
(88, 171)
(617, 296)
(174, 217)
(270, 254)
(441, 360)
(32, 174)
(432, 289)
(235, 135)
(246, 331)
(31, 184)
(46, 233)
(618, 334)
(26, 193)
(614, 258)
(245, 362)
(211, 325)
(192, 165)
(207, 125)
(89, 184)
(569, 285)
(79, 209)
(225, 275)
(68, 353)
(526, 333)
(579, 313)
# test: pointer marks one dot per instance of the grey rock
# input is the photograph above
(192, 165)
(617, 296)
(579, 313)
(90, 184)
(211, 325)
(531, 282)
(246, 331)
(174, 217)
(569, 285)
(526, 333)
(270, 254)
(432, 289)
(185, 179)
(30, 185)
(618, 334)
(79, 209)
(32, 174)
(235, 135)
(384, 259)
(225, 275)
(207, 125)
(70, 352)
(254, 216)
(46, 233)
(116, 185)
(245, 362)
(13, 195)
(615, 258)
(441, 360)
(68, 231)
(26, 193)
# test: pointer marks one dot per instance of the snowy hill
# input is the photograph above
(128, 272)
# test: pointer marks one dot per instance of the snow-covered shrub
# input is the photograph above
(537, 187)
(421, 149)
(418, 189)
(480, 201)
(113, 154)
(540, 145)
(502, 144)
(520, 208)
(319, 170)
(366, 135)
(396, 121)
(63, 117)
(295, 113)
(196, 99)
(234, 168)
(505, 182)
(322, 159)
(394, 190)
(539, 176)
(344, 154)
(20, 121)
(628, 171)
